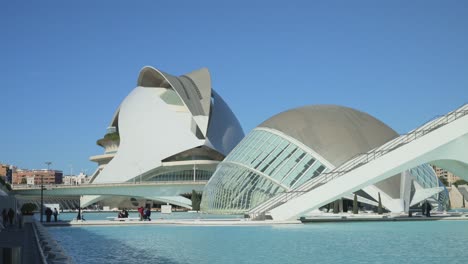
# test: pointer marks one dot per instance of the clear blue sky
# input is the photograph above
(65, 66)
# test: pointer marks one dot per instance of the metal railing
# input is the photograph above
(360, 160)
(17, 187)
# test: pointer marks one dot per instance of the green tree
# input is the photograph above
(355, 205)
(463, 197)
(444, 181)
(379, 209)
(28, 208)
(460, 182)
(24, 181)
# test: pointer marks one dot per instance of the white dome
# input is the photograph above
(337, 133)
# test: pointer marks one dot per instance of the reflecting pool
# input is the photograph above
(365, 242)
(154, 215)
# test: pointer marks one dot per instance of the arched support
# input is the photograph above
(448, 142)
(175, 200)
(456, 167)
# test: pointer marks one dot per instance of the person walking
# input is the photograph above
(48, 213)
(140, 210)
(428, 209)
(11, 215)
(55, 214)
(148, 214)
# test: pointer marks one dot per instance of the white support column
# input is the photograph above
(405, 190)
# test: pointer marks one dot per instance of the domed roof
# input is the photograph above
(337, 133)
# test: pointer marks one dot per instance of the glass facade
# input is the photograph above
(267, 162)
(264, 164)
(427, 178)
(171, 97)
(182, 175)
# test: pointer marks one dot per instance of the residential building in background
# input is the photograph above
(35, 177)
(457, 195)
(76, 179)
(6, 172)
(3, 169)
(447, 175)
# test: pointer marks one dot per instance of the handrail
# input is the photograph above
(62, 186)
(361, 159)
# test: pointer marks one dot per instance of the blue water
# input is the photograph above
(154, 216)
(367, 242)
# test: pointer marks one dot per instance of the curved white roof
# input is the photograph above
(337, 133)
(150, 130)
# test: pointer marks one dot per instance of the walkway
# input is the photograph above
(24, 238)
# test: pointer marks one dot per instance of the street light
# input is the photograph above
(42, 188)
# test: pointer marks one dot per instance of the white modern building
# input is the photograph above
(305, 158)
(76, 179)
(168, 129)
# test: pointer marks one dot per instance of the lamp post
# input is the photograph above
(42, 189)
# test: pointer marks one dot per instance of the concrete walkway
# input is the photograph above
(380, 218)
(186, 222)
(23, 238)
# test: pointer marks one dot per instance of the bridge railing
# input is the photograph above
(360, 160)
(53, 186)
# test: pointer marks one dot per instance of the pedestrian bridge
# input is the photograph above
(157, 190)
(124, 189)
(442, 142)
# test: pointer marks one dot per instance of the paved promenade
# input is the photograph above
(246, 222)
(191, 222)
(12, 237)
(380, 218)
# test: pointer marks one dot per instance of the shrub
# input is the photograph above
(28, 208)
(108, 137)
(196, 200)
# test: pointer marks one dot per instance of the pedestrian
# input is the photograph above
(148, 214)
(48, 213)
(78, 217)
(428, 209)
(11, 215)
(55, 214)
(140, 210)
(423, 208)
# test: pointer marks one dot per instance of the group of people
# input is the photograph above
(8, 217)
(123, 213)
(49, 213)
(145, 213)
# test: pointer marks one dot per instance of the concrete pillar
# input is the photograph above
(10, 255)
